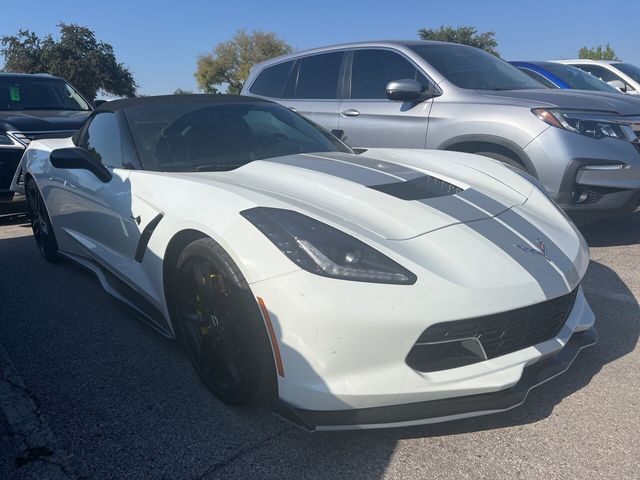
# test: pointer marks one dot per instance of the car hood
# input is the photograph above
(571, 99)
(394, 194)
(42, 120)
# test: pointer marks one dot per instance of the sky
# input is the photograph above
(159, 40)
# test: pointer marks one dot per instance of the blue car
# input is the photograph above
(558, 75)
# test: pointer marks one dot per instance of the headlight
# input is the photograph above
(591, 124)
(321, 249)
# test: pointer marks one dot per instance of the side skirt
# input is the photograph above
(124, 293)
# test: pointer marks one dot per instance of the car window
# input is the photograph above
(629, 69)
(373, 69)
(221, 136)
(317, 76)
(602, 73)
(472, 68)
(577, 78)
(272, 80)
(38, 93)
(538, 77)
(102, 140)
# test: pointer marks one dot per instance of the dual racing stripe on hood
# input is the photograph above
(386, 177)
(522, 241)
(513, 234)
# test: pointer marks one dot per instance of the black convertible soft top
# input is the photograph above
(192, 99)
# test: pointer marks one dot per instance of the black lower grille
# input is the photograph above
(510, 331)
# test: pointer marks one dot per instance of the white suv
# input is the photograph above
(623, 76)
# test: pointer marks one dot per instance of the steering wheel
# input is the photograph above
(269, 141)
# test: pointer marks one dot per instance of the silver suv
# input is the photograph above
(583, 146)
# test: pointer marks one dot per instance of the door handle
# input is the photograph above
(351, 112)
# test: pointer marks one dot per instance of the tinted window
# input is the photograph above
(38, 93)
(577, 78)
(629, 69)
(190, 136)
(536, 76)
(472, 68)
(272, 80)
(373, 69)
(599, 72)
(102, 140)
(317, 76)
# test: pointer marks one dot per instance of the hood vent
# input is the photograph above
(419, 188)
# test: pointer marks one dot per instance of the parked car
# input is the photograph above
(33, 106)
(623, 76)
(389, 288)
(557, 75)
(582, 146)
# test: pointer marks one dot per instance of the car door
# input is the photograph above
(313, 88)
(95, 216)
(367, 117)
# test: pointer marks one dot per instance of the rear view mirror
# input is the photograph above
(619, 84)
(76, 158)
(409, 90)
(97, 103)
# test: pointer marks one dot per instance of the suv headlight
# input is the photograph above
(323, 250)
(591, 124)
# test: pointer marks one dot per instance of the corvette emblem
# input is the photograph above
(539, 249)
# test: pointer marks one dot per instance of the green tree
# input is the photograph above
(180, 91)
(465, 34)
(598, 52)
(229, 62)
(77, 56)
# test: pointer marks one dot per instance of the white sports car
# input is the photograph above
(380, 288)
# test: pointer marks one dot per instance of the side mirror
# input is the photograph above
(97, 103)
(409, 90)
(619, 84)
(76, 158)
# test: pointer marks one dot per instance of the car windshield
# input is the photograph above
(186, 137)
(577, 78)
(472, 68)
(629, 69)
(39, 93)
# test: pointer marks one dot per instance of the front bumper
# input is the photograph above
(563, 161)
(440, 410)
(9, 160)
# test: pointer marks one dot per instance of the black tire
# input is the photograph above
(220, 324)
(41, 223)
(504, 159)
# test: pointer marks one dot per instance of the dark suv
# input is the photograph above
(33, 106)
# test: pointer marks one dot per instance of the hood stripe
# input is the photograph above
(399, 171)
(533, 234)
(386, 177)
(551, 282)
(355, 173)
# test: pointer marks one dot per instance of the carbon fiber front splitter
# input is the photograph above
(434, 411)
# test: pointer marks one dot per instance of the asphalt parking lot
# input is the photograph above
(90, 392)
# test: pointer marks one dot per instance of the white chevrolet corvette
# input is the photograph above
(381, 288)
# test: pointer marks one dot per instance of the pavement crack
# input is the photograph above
(36, 447)
(243, 451)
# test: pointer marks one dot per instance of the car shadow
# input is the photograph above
(614, 231)
(132, 387)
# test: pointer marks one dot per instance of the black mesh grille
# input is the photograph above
(510, 331)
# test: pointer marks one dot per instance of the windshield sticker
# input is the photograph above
(14, 92)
